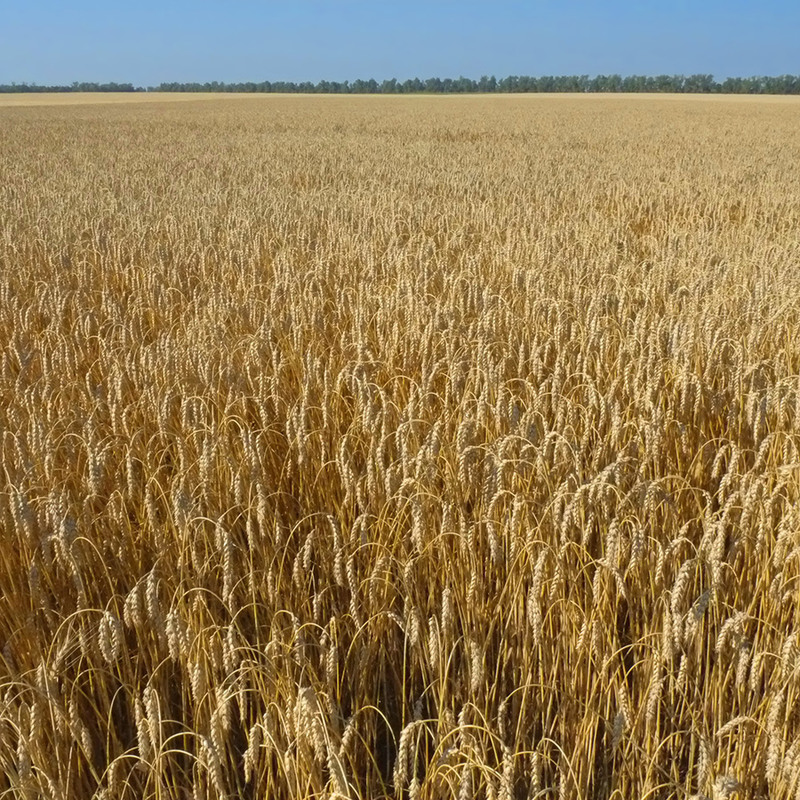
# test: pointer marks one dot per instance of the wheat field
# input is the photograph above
(434, 447)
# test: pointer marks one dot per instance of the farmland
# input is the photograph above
(418, 447)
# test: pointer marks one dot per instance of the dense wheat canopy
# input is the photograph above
(400, 447)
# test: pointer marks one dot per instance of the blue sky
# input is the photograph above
(238, 40)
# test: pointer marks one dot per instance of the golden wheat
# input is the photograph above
(416, 447)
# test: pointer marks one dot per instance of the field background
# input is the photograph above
(409, 447)
(100, 98)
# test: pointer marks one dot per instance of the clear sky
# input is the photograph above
(60, 41)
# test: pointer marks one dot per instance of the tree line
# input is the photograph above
(691, 84)
(10, 88)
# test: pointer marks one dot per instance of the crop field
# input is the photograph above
(431, 447)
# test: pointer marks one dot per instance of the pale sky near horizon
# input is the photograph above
(52, 42)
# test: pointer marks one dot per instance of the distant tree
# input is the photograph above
(546, 83)
(699, 83)
(433, 85)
